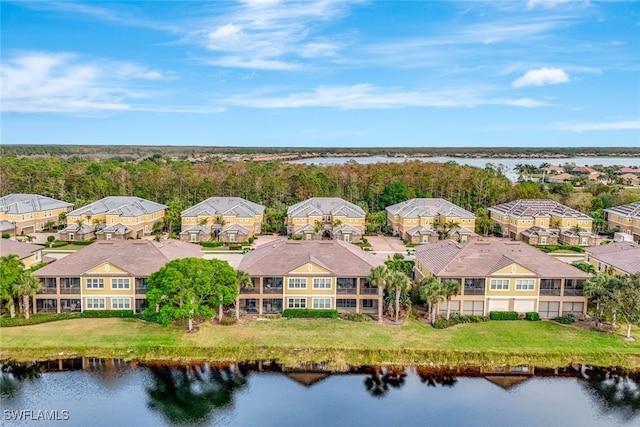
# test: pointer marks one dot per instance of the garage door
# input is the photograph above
(498, 305)
(27, 230)
(524, 305)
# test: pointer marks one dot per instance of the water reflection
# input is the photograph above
(207, 393)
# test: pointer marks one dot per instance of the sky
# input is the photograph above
(538, 73)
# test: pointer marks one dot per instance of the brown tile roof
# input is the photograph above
(282, 256)
(480, 259)
(22, 249)
(623, 256)
(138, 257)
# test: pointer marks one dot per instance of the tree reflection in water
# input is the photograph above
(12, 375)
(616, 391)
(188, 394)
(379, 380)
(432, 377)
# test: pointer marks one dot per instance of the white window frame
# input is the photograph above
(95, 303)
(120, 303)
(543, 240)
(296, 303)
(95, 283)
(525, 284)
(499, 284)
(321, 303)
(297, 283)
(232, 237)
(193, 237)
(322, 283)
(120, 283)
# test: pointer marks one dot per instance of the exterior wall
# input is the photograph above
(602, 267)
(296, 223)
(141, 225)
(33, 221)
(34, 259)
(625, 224)
(253, 224)
(513, 227)
(65, 237)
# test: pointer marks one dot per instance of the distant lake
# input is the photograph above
(97, 392)
(509, 163)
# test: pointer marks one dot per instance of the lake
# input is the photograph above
(98, 392)
(508, 163)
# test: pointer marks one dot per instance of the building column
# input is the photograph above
(261, 299)
(58, 295)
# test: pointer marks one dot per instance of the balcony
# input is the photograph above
(254, 290)
(141, 291)
(347, 290)
(268, 289)
(573, 292)
(369, 291)
(70, 290)
(48, 290)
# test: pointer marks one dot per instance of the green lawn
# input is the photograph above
(342, 342)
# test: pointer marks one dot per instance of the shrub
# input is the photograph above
(309, 313)
(83, 242)
(273, 316)
(51, 238)
(235, 247)
(35, 319)
(532, 315)
(504, 315)
(355, 317)
(6, 235)
(59, 244)
(251, 240)
(94, 314)
(227, 321)
(211, 244)
(442, 323)
(565, 320)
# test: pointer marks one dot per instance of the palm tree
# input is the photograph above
(450, 288)
(62, 218)
(27, 286)
(446, 228)
(244, 282)
(596, 289)
(378, 277)
(432, 294)
(10, 269)
(398, 282)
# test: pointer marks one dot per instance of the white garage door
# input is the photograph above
(498, 305)
(524, 305)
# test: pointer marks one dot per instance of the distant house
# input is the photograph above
(625, 218)
(106, 275)
(114, 217)
(561, 177)
(29, 254)
(617, 258)
(629, 179)
(317, 274)
(553, 169)
(326, 217)
(230, 219)
(503, 276)
(419, 220)
(626, 170)
(30, 213)
(518, 218)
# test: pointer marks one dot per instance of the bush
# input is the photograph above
(565, 320)
(83, 242)
(98, 314)
(442, 323)
(6, 235)
(211, 244)
(355, 317)
(273, 316)
(59, 244)
(551, 248)
(504, 315)
(227, 321)
(51, 238)
(251, 240)
(235, 247)
(308, 313)
(532, 315)
(36, 319)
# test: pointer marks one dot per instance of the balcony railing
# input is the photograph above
(141, 291)
(74, 290)
(272, 290)
(254, 290)
(573, 292)
(474, 291)
(347, 291)
(48, 290)
(368, 291)
(550, 292)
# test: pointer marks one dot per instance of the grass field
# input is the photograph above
(342, 342)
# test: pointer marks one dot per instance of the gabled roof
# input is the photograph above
(84, 229)
(420, 229)
(623, 256)
(537, 208)
(6, 225)
(480, 259)
(282, 256)
(422, 207)
(22, 249)
(118, 229)
(199, 229)
(138, 257)
(346, 229)
(233, 206)
(119, 205)
(538, 231)
(631, 210)
(235, 228)
(457, 231)
(305, 229)
(27, 203)
(318, 206)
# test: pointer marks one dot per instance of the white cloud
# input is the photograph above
(549, 4)
(542, 77)
(606, 126)
(367, 96)
(254, 63)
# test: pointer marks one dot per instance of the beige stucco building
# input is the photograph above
(626, 218)
(618, 258)
(503, 276)
(22, 214)
(326, 217)
(29, 254)
(230, 219)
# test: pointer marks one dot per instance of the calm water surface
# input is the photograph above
(114, 393)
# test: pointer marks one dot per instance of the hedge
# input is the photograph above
(35, 319)
(504, 315)
(551, 248)
(59, 244)
(355, 317)
(93, 314)
(455, 320)
(83, 242)
(211, 244)
(309, 313)
(532, 315)
(565, 320)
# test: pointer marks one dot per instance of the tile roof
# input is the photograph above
(480, 259)
(138, 257)
(7, 225)
(421, 207)
(346, 229)
(22, 249)
(199, 229)
(75, 229)
(537, 208)
(282, 256)
(118, 229)
(235, 228)
(27, 203)
(421, 229)
(121, 205)
(233, 206)
(624, 256)
(631, 210)
(318, 206)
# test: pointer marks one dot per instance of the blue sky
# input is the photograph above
(322, 73)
